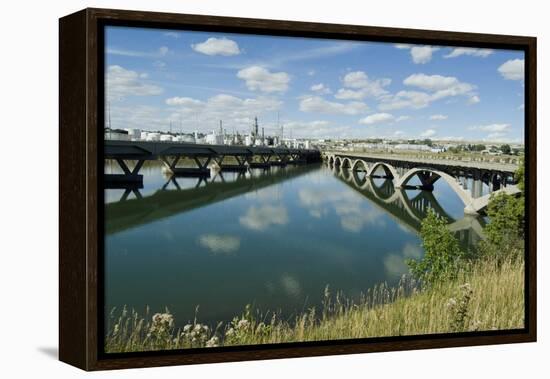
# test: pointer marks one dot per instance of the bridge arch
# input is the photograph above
(346, 163)
(464, 195)
(388, 169)
(358, 163)
(337, 161)
(331, 160)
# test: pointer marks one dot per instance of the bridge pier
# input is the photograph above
(201, 169)
(243, 162)
(283, 160)
(264, 162)
(129, 176)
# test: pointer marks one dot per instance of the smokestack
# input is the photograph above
(255, 126)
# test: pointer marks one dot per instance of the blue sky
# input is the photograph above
(317, 88)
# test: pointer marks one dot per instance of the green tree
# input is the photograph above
(506, 149)
(442, 256)
(505, 233)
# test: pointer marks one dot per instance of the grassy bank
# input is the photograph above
(483, 296)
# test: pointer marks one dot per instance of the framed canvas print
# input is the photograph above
(238, 189)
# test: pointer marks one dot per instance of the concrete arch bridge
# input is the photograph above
(467, 179)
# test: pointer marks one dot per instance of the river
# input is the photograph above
(274, 239)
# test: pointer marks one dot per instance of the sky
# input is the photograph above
(157, 79)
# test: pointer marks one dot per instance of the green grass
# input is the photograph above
(485, 296)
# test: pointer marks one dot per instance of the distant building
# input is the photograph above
(116, 135)
(134, 134)
(214, 138)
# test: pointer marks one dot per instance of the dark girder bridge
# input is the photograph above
(171, 153)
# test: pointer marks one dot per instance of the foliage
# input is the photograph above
(506, 230)
(442, 255)
(506, 149)
(519, 176)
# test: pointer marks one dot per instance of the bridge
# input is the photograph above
(199, 157)
(411, 211)
(130, 213)
(467, 179)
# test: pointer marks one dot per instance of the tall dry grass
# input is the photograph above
(485, 296)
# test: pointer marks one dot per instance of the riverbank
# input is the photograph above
(484, 296)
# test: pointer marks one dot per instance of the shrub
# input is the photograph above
(442, 256)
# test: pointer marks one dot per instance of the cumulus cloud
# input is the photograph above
(320, 105)
(259, 78)
(357, 85)
(320, 88)
(438, 117)
(220, 244)
(419, 54)
(436, 87)
(317, 129)
(474, 52)
(431, 82)
(428, 133)
(474, 99)
(513, 69)
(377, 118)
(217, 46)
(261, 218)
(121, 82)
(492, 128)
(234, 111)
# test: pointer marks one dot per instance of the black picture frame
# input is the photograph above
(81, 41)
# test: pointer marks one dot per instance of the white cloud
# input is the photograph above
(405, 99)
(320, 88)
(316, 129)
(428, 133)
(320, 105)
(261, 218)
(377, 118)
(422, 54)
(218, 243)
(437, 87)
(402, 118)
(184, 101)
(311, 72)
(431, 82)
(474, 99)
(496, 136)
(419, 54)
(121, 82)
(235, 112)
(459, 51)
(513, 69)
(361, 86)
(438, 117)
(217, 46)
(259, 78)
(161, 52)
(172, 34)
(492, 128)
(521, 107)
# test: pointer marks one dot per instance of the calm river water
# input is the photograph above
(274, 239)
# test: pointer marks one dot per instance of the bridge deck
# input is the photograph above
(491, 166)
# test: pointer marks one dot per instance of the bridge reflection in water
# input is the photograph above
(410, 210)
(409, 207)
(164, 203)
